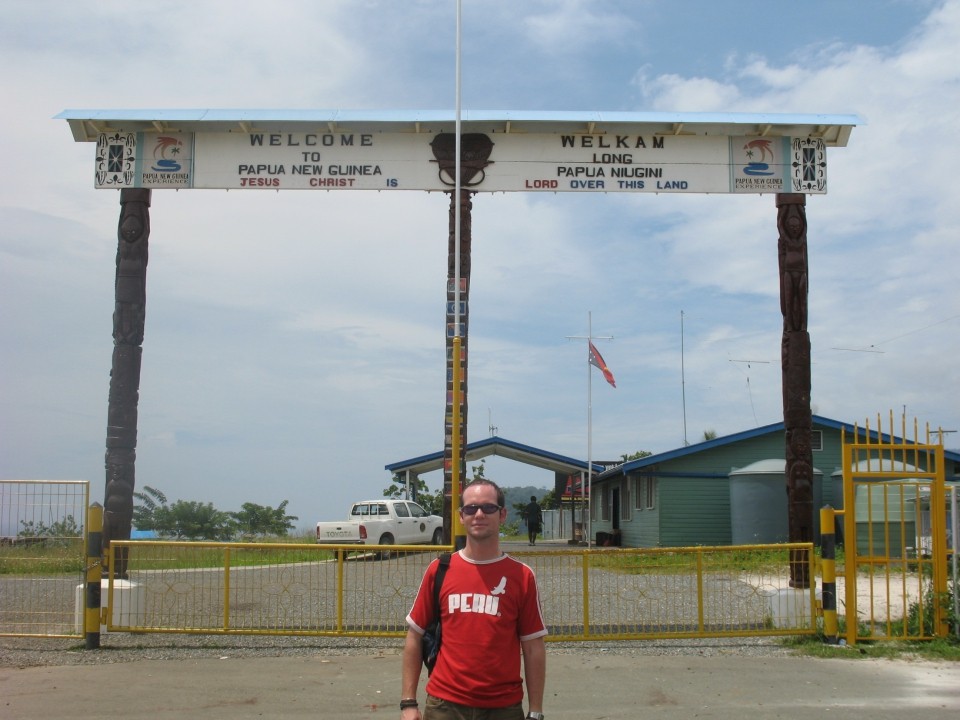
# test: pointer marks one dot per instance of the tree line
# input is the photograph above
(192, 520)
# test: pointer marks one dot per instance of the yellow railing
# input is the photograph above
(249, 588)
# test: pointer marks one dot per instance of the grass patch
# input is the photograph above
(941, 649)
(56, 558)
(661, 561)
(53, 557)
(177, 557)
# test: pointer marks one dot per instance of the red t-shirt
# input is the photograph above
(487, 608)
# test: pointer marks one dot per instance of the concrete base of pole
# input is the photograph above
(129, 604)
(790, 607)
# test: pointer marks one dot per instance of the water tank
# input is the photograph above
(874, 465)
(758, 503)
(886, 465)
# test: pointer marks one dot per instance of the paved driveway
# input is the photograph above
(587, 685)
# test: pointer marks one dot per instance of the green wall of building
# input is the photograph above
(693, 491)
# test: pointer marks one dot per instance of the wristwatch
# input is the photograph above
(534, 715)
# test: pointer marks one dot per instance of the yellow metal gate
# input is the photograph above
(586, 594)
(895, 550)
(42, 526)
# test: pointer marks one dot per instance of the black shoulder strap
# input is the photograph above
(438, 580)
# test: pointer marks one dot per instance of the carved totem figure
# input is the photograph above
(129, 315)
(795, 357)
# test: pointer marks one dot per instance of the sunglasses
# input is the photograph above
(488, 509)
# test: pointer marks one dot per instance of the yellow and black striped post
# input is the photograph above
(457, 533)
(828, 549)
(91, 614)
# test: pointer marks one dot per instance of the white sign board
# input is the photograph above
(491, 162)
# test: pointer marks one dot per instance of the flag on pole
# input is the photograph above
(597, 361)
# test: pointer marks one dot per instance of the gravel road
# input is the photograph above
(126, 647)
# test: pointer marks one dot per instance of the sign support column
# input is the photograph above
(795, 359)
(455, 422)
(129, 316)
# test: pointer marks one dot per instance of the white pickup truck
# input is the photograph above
(383, 522)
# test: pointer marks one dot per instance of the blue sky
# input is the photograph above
(294, 342)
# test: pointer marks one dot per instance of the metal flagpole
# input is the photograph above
(683, 384)
(588, 521)
(456, 529)
(586, 490)
(456, 186)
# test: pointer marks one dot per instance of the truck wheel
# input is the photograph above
(385, 539)
(438, 536)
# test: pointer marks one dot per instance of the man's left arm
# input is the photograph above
(534, 671)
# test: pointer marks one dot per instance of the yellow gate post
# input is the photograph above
(458, 536)
(938, 536)
(828, 549)
(91, 614)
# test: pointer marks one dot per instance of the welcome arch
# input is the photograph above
(138, 151)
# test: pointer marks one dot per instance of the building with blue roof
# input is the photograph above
(682, 497)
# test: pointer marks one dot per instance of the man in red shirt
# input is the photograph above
(490, 614)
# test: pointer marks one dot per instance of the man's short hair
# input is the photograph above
(501, 499)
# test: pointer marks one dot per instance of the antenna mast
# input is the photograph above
(683, 383)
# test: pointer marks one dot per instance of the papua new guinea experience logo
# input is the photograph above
(165, 154)
(758, 166)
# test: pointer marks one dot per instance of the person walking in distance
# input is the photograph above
(490, 616)
(534, 517)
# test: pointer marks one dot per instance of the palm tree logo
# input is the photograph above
(755, 167)
(165, 153)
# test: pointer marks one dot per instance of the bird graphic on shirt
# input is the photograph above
(501, 588)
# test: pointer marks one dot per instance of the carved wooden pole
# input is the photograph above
(129, 314)
(795, 358)
(456, 394)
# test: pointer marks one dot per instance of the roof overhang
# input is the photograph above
(501, 448)
(86, 125)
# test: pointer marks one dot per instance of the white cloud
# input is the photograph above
(562, 25)
(668, 92)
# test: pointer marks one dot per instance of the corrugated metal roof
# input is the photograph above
(552, 461)
(641, 463)
(86, 125)
(503, 448)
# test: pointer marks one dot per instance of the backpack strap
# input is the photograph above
(438, 580)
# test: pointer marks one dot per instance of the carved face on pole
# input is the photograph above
(131, 227)
(794, 225)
